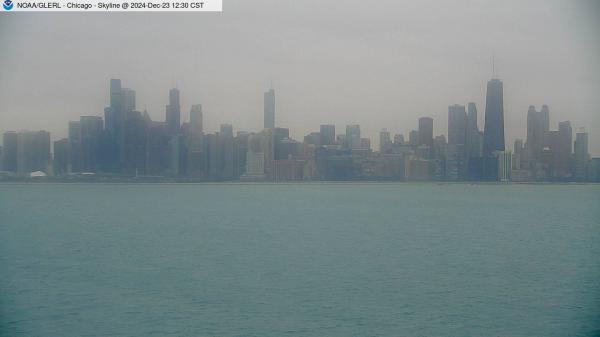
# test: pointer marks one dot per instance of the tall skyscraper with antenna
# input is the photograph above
(493, 132)
(173, 112)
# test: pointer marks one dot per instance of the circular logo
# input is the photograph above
(8, 5)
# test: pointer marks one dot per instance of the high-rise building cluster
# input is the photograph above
(128, 144)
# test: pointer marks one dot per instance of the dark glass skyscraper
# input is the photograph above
(112, 114)
(173, 112)
(426, 131)
(493, 133)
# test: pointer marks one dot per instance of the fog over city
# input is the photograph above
(379, 64)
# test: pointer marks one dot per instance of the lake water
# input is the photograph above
(299, 260)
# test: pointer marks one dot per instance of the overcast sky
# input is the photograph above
(374, 63)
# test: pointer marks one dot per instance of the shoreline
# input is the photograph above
(184, 181)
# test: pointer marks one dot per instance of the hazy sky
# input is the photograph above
(374, 63)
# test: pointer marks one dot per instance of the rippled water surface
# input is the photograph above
(299, 260)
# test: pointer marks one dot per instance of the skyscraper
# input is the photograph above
(157, 148)
(61, 157)
(517, 154)
(426, 131)
(536, 133)
(268, 149)
(255, 159)
(173, 112)
(545, 121)
(456, 162)
(269, 109)
(493, 133)
(399, 139)
(196, 117)
(112, 112)
(127, 99)
(75, 146)
(279, 135)
(33, 151)
(327, 134)
(385, 141)
(226, 130)
(112, 153)
(226, 149)
(136, 142)
(582, 156)
(565, 134)
(91, 132)
(195, 139)
(9, 152)
(457, 125)
(472, 132)
(413, 138)
(353, 136)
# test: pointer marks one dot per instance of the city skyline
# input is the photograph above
(379, 66)
(127, 142)
(268, 104)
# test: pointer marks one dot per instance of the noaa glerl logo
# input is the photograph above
(8, 5)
